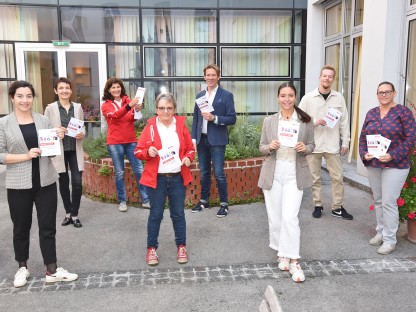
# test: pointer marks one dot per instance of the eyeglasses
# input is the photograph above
(165, 109)
(384, 93)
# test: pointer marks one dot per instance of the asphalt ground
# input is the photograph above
(229, 268)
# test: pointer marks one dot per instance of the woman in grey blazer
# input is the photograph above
(286, 139)
(59, 114)
(30, 179)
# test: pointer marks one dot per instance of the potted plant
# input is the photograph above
(407, 200)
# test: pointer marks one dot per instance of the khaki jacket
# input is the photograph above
(327, 140)
(52, 112)
(269, 133)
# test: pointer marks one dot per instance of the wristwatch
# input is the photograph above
(215, 119)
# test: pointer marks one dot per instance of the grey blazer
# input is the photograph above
(52, 112)
(269, 133)
(19, 175)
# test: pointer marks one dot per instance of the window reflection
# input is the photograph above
(100, 24)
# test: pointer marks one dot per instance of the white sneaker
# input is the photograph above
(283, 264)
(21, 276)
(297, 274)
(376, 240)
(123, 207)
(60, 275)
(385, 249)
(146, 205)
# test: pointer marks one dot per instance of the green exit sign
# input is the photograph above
(61, 43)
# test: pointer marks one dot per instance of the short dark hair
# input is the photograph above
(20, 84)
(386, 83)
(62, 79)
(108, 85)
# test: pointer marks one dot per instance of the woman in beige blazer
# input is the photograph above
(59, 114)
(286, 138)
(30, 179)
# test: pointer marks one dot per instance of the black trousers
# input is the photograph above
(21, 209)
(71, 206)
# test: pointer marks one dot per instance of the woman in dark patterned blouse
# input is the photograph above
(388, 172)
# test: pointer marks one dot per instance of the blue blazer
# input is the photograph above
(223, 108)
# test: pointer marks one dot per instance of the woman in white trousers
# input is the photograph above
(286, 139)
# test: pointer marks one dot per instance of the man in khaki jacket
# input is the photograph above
(317, 103)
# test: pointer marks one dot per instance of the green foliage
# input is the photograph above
(244, 140)
(407, 199)
(105, 171)
(96, 148)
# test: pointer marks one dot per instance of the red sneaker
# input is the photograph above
(151, 256)
(182, 254)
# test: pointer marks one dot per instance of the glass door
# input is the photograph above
(83, 64)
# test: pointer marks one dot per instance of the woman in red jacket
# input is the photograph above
(166, 146)
(121, 137)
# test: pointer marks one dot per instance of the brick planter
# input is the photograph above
(242, 177)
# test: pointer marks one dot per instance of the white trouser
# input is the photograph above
(283, 204)
(386, 185)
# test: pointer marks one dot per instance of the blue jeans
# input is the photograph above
(173, 188)
(206, 153)
(117, 152)
(71, 206)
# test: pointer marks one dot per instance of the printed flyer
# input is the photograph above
(204, 105)
(49, 142)
(332, 117)
(288, 133)
(74, 127)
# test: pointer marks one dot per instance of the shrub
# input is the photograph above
(96, 148)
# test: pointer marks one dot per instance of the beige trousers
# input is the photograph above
(334, 165)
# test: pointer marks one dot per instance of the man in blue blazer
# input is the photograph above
(210, 134)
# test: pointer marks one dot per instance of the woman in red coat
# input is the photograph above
(166, 146)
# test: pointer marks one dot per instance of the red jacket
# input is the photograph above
(120, 122)
(186, 149)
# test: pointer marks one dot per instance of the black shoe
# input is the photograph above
(341, 213)
(77, 223)
(200, 206)
(317, 212)
(223, 211)
(67, 221)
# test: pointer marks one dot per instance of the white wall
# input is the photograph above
(314, 44)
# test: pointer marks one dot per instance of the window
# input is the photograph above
(255, 62)
(359, 12)
(255, 27)
(332, 57)
(177, 62)
(333, 20)
(100, 24)
(23, 23)
(124, 61)
(179, 26)
(411, 68)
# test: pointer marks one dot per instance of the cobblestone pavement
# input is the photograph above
(230, 273)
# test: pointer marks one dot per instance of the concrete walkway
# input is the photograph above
(230, 262)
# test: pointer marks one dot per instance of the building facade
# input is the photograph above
(367, 41)
(161, 45)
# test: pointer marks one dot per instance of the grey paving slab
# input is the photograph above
(230, 262)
